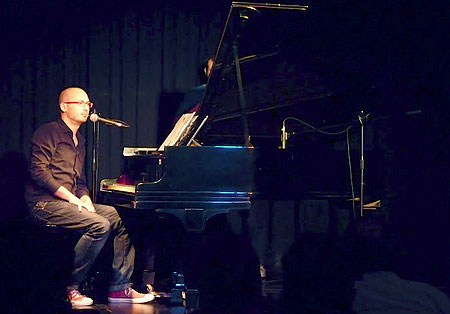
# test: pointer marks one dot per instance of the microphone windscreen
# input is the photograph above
(93, 117)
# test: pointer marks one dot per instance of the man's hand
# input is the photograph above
(84, 201)
(87, 203)
(76, 201)
(81, 204)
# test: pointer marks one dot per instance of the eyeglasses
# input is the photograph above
(81, 103)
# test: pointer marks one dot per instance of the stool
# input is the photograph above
(37, 269)
(57, 244)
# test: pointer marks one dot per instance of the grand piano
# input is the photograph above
(269, 66)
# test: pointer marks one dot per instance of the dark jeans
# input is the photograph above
(95, 229)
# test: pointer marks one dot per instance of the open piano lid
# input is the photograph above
(251, 34)
(294, 60)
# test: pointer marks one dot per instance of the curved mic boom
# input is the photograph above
(94, 117)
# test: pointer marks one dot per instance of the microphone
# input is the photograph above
(284, 136)
(94, 117)
(363, 116)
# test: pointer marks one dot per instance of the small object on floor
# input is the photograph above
(373, 205)
(129, 295)
(151, 290)
(77, 299)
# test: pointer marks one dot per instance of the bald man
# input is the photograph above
(59, 196)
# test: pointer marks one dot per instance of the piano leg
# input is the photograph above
(146, 256)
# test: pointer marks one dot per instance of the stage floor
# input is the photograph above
(155, 307)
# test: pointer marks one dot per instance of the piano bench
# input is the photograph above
(38, 262)
(55, 245)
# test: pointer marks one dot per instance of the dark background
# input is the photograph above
(136, 59)
(127, 56)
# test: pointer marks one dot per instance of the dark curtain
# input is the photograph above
(129, 57)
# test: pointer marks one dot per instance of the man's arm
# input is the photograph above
(83, 193)
(82, 189)
(43, 147)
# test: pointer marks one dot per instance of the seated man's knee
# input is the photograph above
(102, 226)
(111, 214)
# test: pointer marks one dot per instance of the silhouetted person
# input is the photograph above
(192, 99)
(227, 271)
(13, 177)
(383, 282)
(317, 276)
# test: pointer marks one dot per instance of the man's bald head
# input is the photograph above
(74, 106)
(72, 94)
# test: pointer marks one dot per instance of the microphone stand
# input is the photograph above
(96, 138)
(95, 149)
(362, 117)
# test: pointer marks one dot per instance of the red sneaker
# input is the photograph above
(129, 295)
(77, 299)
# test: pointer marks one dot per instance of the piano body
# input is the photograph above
(190, 183)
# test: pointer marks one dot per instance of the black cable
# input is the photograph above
(314, 128)
(346, 130)
(351, 174)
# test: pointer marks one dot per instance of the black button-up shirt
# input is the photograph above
(55, 162)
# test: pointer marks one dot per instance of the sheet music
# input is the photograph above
(178, 130)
